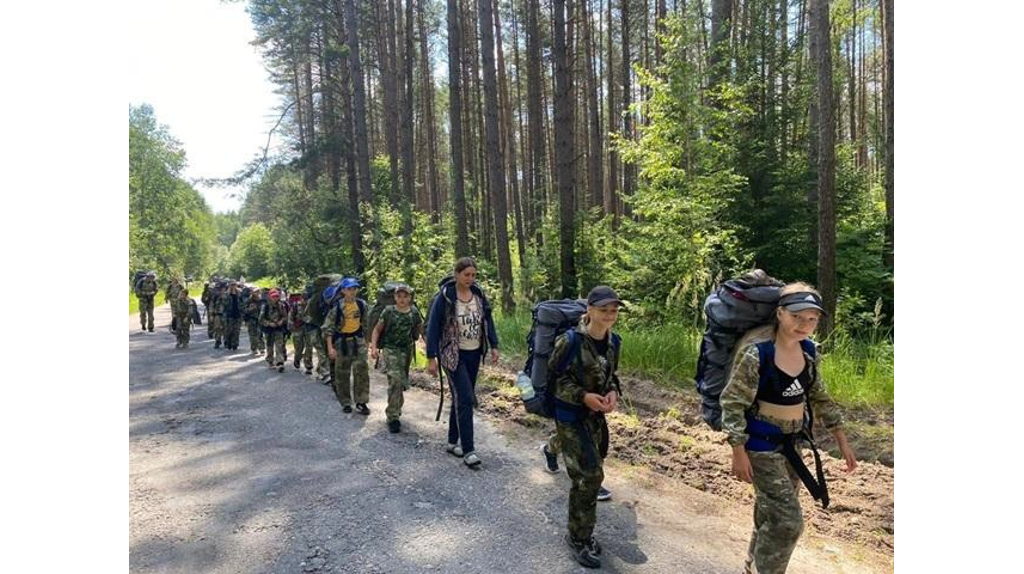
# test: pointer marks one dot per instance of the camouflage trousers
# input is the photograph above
(583, 445)
(323, 360)
(232, 328)
(351, 357)
(778, 520)
(276, 353)
(217, 328)
(396, 366)
(256, 342)
(146, 312)
(303, 342)
(183, 327)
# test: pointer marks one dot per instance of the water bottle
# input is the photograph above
(525, 386)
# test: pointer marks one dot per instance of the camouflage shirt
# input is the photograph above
(216, 303)
(252, 309)
(274, 316)
(400, 329)
(740, 396)
(181, 307)
(147, 287)
(295, 316)
(599, 372)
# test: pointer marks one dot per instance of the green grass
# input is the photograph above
(133, 301)
(856, 372)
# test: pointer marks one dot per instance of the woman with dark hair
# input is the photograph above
(459, 331)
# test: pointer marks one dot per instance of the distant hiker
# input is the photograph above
(234, 308)
(459, 330)
(582, 394)
(170, 295)
(301, 337)
(273, 319)
(251, 314)
(345, 331)
(396, 333)
(145, 290)
(774, 392)
(181, 307)
(215, 310)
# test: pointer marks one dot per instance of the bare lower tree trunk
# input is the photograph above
(565, 151)
(890, 221)
(821, 48)
(359, 122)
(508, 136)
(495, 164)
(433, 185)
(455, 135)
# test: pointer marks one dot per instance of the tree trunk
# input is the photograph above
(535, 117)
(455, 135)
(359, 125)
(508, 137)
(611, 204)
(565, 152)
(890, 221)
(721, 21)
(495, 165)
(596, 153)
(406, 55)
(821, 48)
(628, 168)
(433, 185)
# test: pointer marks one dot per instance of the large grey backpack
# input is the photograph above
(737, 306)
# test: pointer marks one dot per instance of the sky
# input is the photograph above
(192, 61)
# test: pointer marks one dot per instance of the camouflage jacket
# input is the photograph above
(740, 397)
(181, 307)
(216, 303)
(599, 373)
(252, 309)
(147, 288)
(274, 316)
(172, 292)
(295, 317)
(400, 329)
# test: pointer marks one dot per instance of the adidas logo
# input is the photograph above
(810, 298)
(793, 390)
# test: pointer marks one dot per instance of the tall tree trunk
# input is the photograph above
(821, 47)
(890, 221)
(456, 133)
(596, 153)
(628, 168)
(433, 185)
(406, 55)
(565, 152)
(386, 48)
(495, 164)
(508, 138)
(535, 116)
(721, 22)
(611, 203)
(359, 124)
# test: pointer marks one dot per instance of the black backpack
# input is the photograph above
(735, 307)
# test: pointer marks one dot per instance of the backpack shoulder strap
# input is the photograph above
(573, 350)
(766, 362)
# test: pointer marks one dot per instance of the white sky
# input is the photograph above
(192, 61)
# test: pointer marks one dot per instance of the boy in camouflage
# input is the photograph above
(273, 317)
(215, 311)
(300, 336)
(344, 329)
(581, 430)
(233, 311)
(181, 307)
(399, 327)
(146, 292)
(252, 322)
(778, 404)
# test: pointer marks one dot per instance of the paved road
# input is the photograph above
(234, 467)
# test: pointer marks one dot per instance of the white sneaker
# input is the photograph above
(454, 449)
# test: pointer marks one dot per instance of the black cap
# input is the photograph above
(801, 301)
(602, 295)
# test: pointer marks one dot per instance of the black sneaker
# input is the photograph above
(603, 494)
(309, 371)
(216, 345)
(362, 408)
(582, 552)
(296, 365)
(550, 460)
(280, 367)
(594, 545)
(151, 329)
(395, 426)
(346, 409)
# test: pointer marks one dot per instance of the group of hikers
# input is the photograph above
(772, 385)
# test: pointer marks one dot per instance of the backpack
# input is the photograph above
(197, 319)
(450, 278)
(735, 307)
(137, 281)
(294, 301)
(321, 296)
(360, 304)
(385, 297)
(550, 320)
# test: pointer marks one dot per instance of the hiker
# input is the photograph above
(397, 330)
(459, 331)
(583, 393)
(170, 295)
(251, 314)
(273, 316)
(215, 310)
(301, 337)
(344, 329)
(763, 414)
(181, 307)
(234, 308)
(145, 291)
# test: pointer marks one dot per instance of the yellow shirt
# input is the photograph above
(350, 312)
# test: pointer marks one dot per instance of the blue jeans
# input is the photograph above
(462, 382)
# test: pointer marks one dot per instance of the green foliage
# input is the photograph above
(251, 253)
(170, 227)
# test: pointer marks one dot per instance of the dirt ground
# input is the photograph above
(660, 430)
